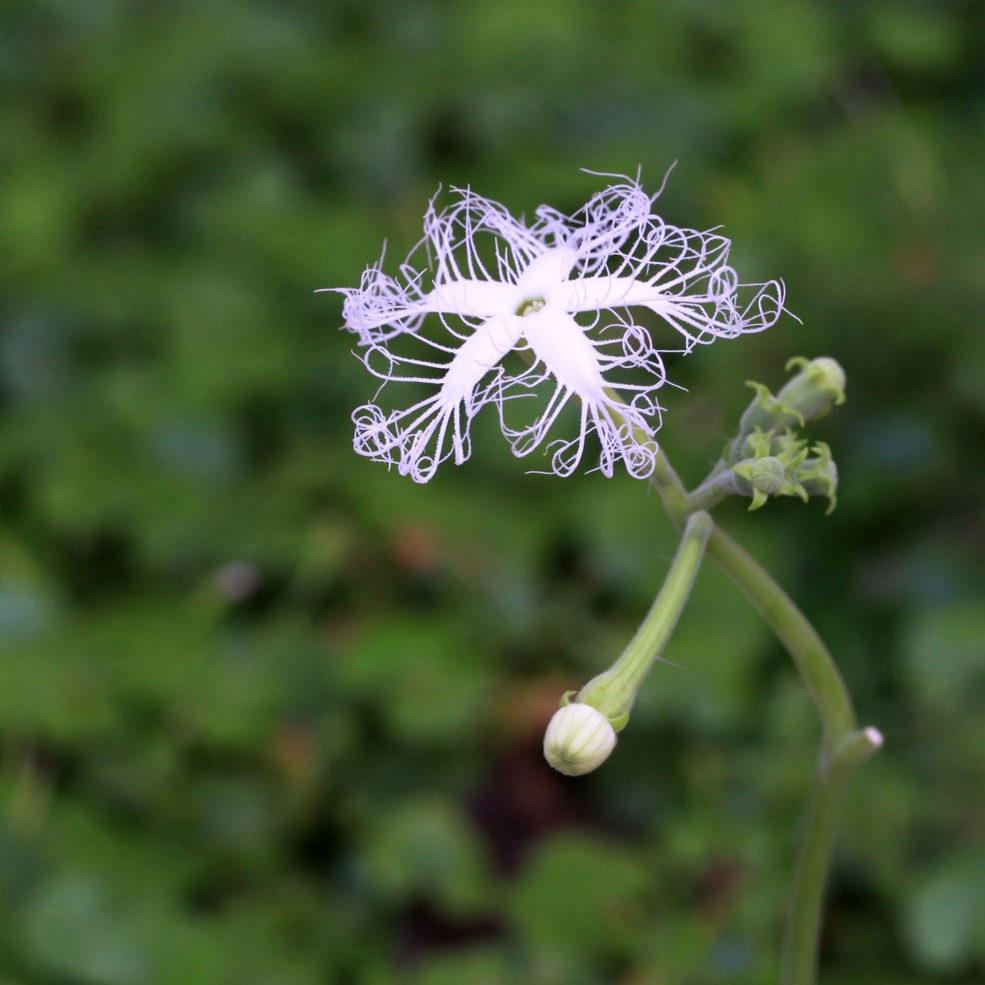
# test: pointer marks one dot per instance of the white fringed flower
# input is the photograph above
(558, 291)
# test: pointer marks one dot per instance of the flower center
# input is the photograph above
(529, 306)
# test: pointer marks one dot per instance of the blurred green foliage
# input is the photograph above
(270, 715)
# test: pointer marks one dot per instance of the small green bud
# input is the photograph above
(756, 445)
(770, 469)
(767, 474)
(579, 738)
(762, 418)
(765, 477)
(819, 386)
(791, 449)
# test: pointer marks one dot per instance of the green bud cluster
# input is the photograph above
(807, 396)
(768, 457)
(785, 465)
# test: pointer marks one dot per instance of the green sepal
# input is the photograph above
(619, 722)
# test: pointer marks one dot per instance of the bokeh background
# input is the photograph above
(271, 715)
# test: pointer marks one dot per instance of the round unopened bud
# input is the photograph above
(768, 474)
(579, 738)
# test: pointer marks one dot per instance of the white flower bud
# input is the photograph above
(578, 739)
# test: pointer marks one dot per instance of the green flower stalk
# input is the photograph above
(574, 743)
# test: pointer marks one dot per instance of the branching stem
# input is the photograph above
(843, 745)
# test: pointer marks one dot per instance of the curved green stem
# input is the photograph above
(710, 493)
(842, 746)
(614, 691)
(805, 908)
(811, 656)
